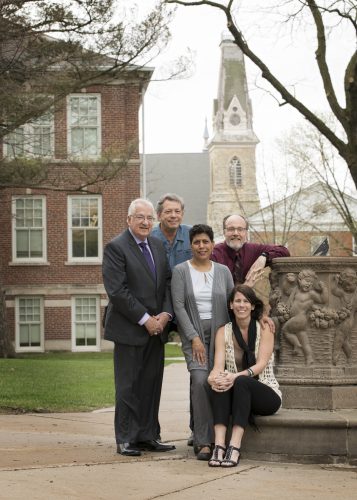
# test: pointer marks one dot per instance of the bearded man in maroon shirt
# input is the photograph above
(245, 260)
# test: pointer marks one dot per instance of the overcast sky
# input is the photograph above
(175, 111)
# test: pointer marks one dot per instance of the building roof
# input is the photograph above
(186, 174)
(315, 207)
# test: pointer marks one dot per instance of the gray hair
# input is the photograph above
(169, 197)
(139, 201)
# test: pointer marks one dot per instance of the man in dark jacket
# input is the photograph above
(137, 276)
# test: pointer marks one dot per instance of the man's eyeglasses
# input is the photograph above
(141, 218)
(232, 229)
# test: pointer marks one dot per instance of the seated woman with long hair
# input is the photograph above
(242, 380)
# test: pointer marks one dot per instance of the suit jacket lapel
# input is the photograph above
(139, 255)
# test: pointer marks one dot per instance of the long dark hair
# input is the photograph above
(250, 295)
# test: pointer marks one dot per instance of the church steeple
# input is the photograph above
(232, 148)
(232, 108)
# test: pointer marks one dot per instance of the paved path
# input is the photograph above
(72, 456)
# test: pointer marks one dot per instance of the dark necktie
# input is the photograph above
(236, 270)
(148, 257)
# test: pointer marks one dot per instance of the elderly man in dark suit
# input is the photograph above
(136, 276)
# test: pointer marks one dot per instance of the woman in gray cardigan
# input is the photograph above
(200, 290)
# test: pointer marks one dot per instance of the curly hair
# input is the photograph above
(201, 229)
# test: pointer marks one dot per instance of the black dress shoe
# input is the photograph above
(204, 455)
(154, 445)
(128, 450)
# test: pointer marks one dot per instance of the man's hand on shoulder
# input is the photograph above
(267, 322)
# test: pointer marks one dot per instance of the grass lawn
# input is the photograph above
(60, 381)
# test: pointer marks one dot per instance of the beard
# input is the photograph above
(235, 244)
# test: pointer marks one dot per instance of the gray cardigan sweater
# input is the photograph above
(185, 307)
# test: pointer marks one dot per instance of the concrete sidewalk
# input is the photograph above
(72, 456)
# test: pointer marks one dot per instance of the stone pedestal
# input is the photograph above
(314, 306)
(304, 436)
(314, 303)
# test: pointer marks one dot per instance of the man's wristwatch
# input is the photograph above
(264, 254)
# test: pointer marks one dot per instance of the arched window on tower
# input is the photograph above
(235, 172)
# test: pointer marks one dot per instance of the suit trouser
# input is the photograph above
(138, 372)
(247, 396)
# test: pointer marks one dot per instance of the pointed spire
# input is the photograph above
(232, 108)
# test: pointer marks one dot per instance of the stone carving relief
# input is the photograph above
(307, 293)
(300, 296)
(344, 290)
(301, 302)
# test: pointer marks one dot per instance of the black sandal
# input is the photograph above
(227, 461)
(214, 460)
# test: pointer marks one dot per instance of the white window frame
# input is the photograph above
(82, 348)
(19, 348)
(235, 172)
(28, 130)
(42, 259)
(98, 126)
(321, 238)
(97, 259)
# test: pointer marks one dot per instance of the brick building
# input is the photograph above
(52, 240)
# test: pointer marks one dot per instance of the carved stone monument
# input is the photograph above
(315, 307)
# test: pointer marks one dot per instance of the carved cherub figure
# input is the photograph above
(308, 292)
(345, 289)
(288, 285)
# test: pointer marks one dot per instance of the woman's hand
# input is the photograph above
(198, 351)
(221, 381)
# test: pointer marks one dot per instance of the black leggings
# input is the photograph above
(247, 396)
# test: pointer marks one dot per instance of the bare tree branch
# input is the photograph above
(321, 61)
(347, 147)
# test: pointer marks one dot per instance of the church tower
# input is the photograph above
(233, 186)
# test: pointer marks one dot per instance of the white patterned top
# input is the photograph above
(267, 376)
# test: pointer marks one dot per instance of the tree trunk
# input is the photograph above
(351, 160)
(6, 347)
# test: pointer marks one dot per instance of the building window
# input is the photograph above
(320, 246)
(235, 172)
(43, 135)
(84, 126)
(29, 323)
(15, 143)
(29, 229)
(32, 139)
(85, 228)
(85, 323)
